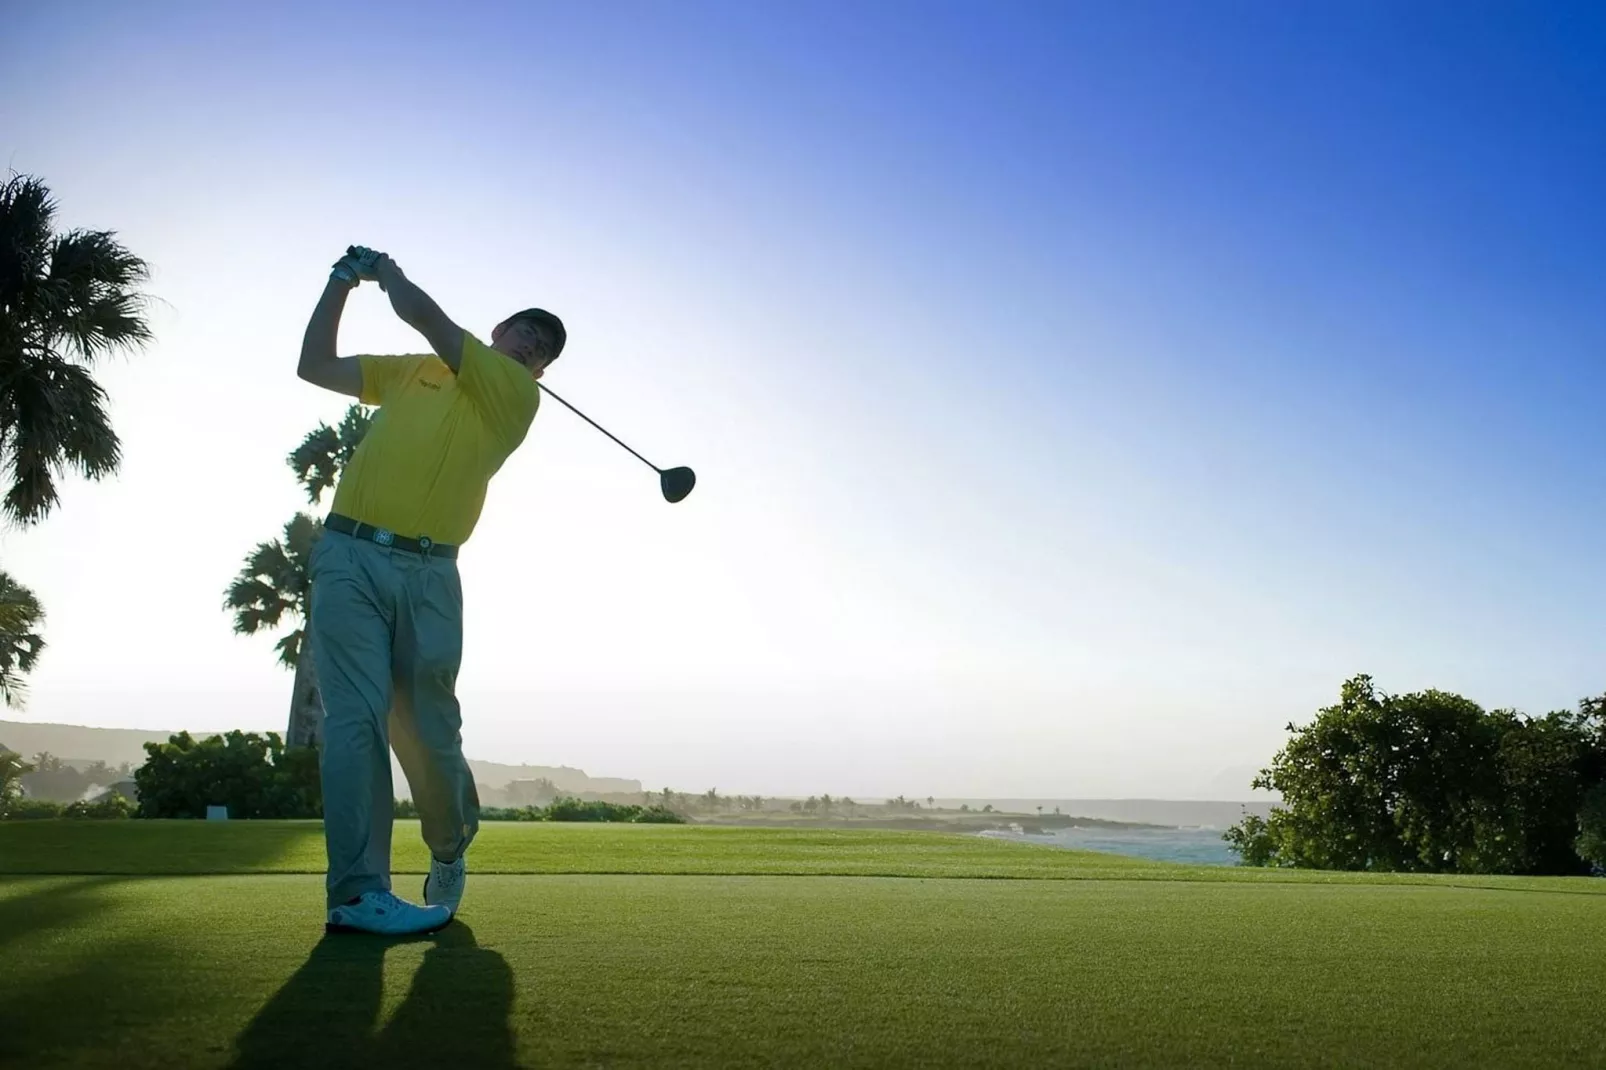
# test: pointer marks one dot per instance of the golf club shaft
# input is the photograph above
(599, 427)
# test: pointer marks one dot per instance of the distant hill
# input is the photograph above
(81, 746)
(565, 778)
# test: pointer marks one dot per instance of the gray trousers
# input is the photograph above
(386, 637)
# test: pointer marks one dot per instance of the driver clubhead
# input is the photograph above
(677, 483)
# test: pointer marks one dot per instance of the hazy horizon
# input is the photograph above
(1078, 393)
(31, 737)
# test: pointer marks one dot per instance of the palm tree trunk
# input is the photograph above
(306, 706)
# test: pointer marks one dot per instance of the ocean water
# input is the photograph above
(1194, 846)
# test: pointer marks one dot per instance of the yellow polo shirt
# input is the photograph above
(436, 441)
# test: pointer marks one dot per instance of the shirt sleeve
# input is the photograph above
(382, 375)
(501, 389)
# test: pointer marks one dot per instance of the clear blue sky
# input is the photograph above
(1079, 391)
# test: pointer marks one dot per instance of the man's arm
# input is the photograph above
(319, 363)
(419, 311)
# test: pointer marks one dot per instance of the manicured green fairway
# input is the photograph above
(654, 969)
(188, 848)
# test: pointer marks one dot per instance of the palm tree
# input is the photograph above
(12, 770)
(324, 453)
(20, 644)
(273, 584)
(66, 300)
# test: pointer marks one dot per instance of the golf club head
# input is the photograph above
(677, 483)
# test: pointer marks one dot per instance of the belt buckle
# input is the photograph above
(384, 537)
(425, 545)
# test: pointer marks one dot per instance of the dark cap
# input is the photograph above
(548, 323)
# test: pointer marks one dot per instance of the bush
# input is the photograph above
(1251, 839)
(255, 776)
(571, 809)
(26, 809)
(110, 806)
(1591, 844)
(1430, 783)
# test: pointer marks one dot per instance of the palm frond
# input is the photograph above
(300, 534)
(313, 461)
(353, 427)
(90, 286)
(27, 215)
(256, 604)
(273, 583)
(290, 648)
(52, 418)
(326, 450)
(67, 299)
(20, 642)
(19, 607)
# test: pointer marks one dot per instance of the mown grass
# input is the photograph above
(772, 971)
(200, 847)
(667, 966)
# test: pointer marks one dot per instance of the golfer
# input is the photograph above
(386, 620)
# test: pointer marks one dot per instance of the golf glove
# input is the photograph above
(347, 271)
(366, 261)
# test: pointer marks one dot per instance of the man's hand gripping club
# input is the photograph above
(414, 306)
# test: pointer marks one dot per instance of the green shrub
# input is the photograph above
(658, 815)
(1431, 782)
(1251, 839)
(506, 813)
(571, 809)
(111, 806)
(1592, 827)
(26, 809)
(255, 776)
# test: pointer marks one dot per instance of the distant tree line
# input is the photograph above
(707, 802)
(256, 776)
(712, 802)
(572, 809)
(51, 778)
(23, 796)
(1433, 783)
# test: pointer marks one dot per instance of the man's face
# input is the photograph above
(525, 343)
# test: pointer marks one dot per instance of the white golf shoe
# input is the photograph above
(444, 885)
(385, 915)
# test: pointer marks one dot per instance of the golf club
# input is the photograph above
(675, 482)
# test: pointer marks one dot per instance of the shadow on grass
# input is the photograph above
(72, 1000)
(140, 847)
(53, 905)
(455, 1014)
